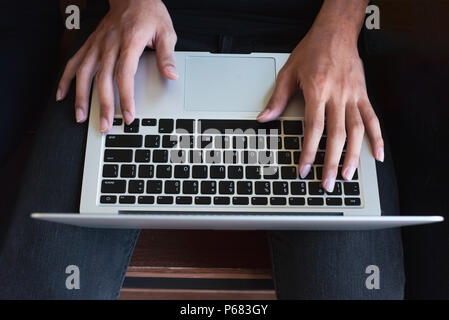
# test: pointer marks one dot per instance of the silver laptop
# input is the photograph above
(196, 158)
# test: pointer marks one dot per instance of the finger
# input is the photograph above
(69, 72)
(336, 136)
(313, 130)
(84, 76)
(372, 126)
(124, 73)
(285, 86)
(165, 47)
(355, 131)
(105, 85)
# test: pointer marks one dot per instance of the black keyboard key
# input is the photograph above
(190, 187)
(178, 156)
(262, 187)
(118, 155)
(110, 171)
(127, 199)
(205, 142)
(152, 141)
(217, 172)
(291, 143)
(136, 186)
(316, 189)
(266, 157)
(185, 125)
(319, 172)
(319, 158)
(113, 186)
(196, 156)
(296, 156)
(253, 172)
(117, 122)
(123, 141)
(230, 157)
(145, 199)
(108, 199)
(296, 201)
(240, 142)
(226, 187)
(172, 187)
(169, 141)
(334, 201)
(337, 190)
(240, 201)
(249, 157)
(222, 142)
(212, 156)
(146, 171)
(165, 125)
(133, 127)
(315, 201)
(270, 172)
(259, 201)
(202, 200)
(284, 157)
(247, 126)
(128, 171)
(274, 142)
(199, 172)
(154, 186)
(160, 156)
(182, 172)
(298, 188)
(278, 201)
(352, 201)
(148, 122)
(244, 187)
(292, 127)
(222, 200)
(310, 175)
(280, 188)
(256, 142)
(186, 142)
(165, 200)
(142, 156)
(351, 188)
(164, 171)
(208, 187)
(289, 173)
(235, 172)
(183, 200)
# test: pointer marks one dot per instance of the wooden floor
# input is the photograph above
(195, 255)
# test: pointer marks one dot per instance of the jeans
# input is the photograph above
(306, 264)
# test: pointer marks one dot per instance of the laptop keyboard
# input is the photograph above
(215, 162)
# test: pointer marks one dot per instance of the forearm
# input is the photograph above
(342, 17)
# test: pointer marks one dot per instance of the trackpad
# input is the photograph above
(237, 84)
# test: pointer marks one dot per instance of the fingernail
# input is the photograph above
(304, 170)
(263, 114)
(58, 94)
(329, 184)
(104, 124)
(128, 117)
(172, 71)
(348, 173)
(380, 154)
(79, 115)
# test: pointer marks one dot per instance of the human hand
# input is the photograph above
(113, 50)
(326, 66)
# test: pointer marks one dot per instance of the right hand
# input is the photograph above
(113, 50)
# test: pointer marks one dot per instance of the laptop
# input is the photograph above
(196, 158)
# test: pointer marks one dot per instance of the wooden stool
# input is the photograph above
(199, 264)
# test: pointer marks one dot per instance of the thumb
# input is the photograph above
(165, 46)
(285, 86)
